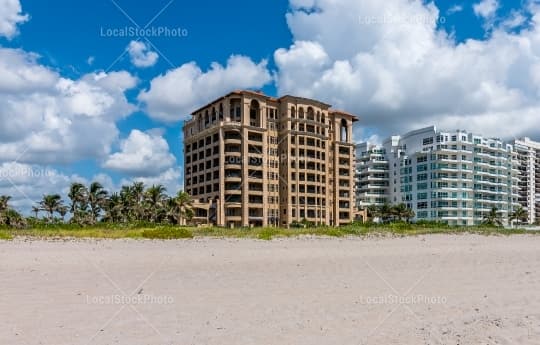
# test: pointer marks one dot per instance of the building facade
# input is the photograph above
(453, 177)
(528, 165)
(260, 161)
(372, 174)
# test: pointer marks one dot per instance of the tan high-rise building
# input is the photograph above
(255, 160)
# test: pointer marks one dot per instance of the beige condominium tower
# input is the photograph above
(255, 160)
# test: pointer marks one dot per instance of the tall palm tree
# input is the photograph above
(154, 198)
(137, 196)
(520, 215)
(97, 197)
(182, 209)
(126, 197)
(78, 196)
(493, 218)
(114, 208)
(51, 204)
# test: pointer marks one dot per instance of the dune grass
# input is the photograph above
(152, 231)
(4, 235)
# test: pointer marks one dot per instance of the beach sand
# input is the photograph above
(437, 289)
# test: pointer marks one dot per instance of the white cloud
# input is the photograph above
(90, 60)
(10, 17)
(486, 8)
(141, 55)
(411, 74)
(514, 20)
(27, 184)
(174, 95)
(47, 118)
(142, 154)
(454, 9)
(170, 179)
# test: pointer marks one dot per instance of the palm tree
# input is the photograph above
(4, 201)
(493, 218)
(373, 212)
(4, 207)
(385, 212)
(137, 196)
(35, 210)
(114, 208)
(409, 214)
(399, 211)
(97, 197)
(78, 196)
(51, 204)
(182, 209)
(519, 214)
(154, 198)
(12, 218)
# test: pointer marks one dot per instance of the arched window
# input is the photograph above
(300, 113)
(254, 114)
(293, 112)
(344, 131)
(221, 111)
(214, 114)
(206, 118)
(310, 114)
(323, 118)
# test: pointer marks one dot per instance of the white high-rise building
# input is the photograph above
(452, 177)
(372, 175)
(528, 154)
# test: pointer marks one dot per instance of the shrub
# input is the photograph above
(267, 234)
(167, 233)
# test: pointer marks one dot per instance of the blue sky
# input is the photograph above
(390, 71)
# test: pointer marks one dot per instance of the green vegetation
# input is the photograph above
(149, 213)
(167, 233)
(5, 236)
(155, 231)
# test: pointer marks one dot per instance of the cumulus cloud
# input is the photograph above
(27, 183)
(142, 154)
(10, 17)
(47, 118)
(141, 55)
(412, 73)
(486, 8)
(175, 94)
(171, 179)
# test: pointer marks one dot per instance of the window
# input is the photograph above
(422, 186)
(427, 141)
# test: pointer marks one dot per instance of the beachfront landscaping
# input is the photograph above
(164, 232)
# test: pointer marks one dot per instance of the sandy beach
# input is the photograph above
(437, 289)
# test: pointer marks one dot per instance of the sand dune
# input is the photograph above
(424, 290)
